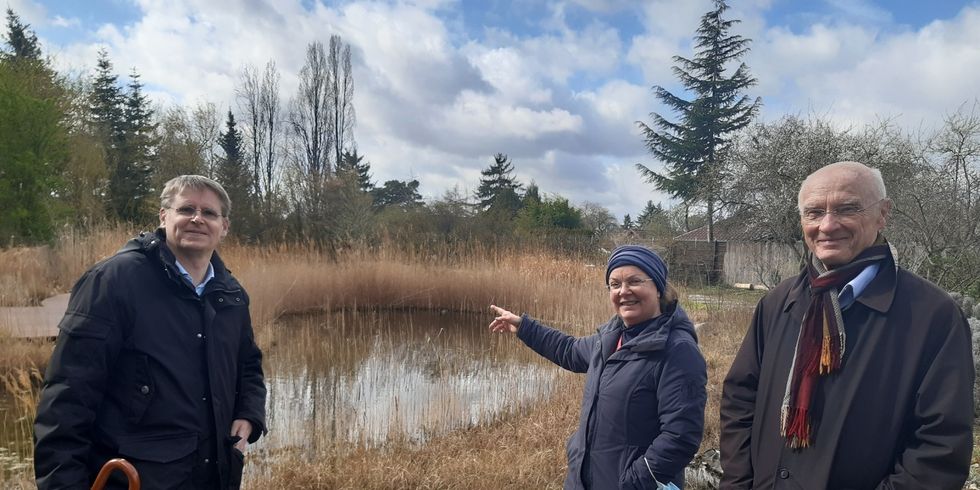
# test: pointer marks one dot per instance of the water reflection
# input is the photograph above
(343, 379)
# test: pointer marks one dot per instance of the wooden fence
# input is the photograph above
(700, 263)
(765, 263)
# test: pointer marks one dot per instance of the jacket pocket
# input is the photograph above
(236, 463)
(631, 478)
(81, 325)
(138, 389)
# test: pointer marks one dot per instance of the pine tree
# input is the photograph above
(135, 151)
(352, 166)
(21, 41)
(692, 148)
(628, 222)
(498, 187)
(106, 102)
(233, 171)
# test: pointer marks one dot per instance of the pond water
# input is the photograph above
(342, 380)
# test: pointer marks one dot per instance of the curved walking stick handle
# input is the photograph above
(117, 464)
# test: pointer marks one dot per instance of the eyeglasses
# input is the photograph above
(631, 283)
(845, 212)
(206, 213)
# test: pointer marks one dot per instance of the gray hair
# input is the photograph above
(181, 183)
(877, 182)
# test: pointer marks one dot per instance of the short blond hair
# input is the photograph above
(181, 183)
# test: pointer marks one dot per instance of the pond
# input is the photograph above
(343, 380)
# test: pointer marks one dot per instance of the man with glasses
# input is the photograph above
(155, 360)
(856, 374)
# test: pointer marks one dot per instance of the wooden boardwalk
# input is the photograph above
(34, 321)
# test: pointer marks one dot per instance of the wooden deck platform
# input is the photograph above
(34, 321)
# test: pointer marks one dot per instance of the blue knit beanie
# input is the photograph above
(641, 257)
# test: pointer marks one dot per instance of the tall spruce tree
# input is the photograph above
(498, 187)
(232, 171)
(21, 41)
(133, 155)
(106, 101)
(352, 166)
(692, 148)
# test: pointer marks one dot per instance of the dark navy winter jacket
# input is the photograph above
(146, 369)
(643, 405)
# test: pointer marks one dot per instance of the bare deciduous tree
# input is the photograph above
(258, 99)
(342, 91)
(938, 214)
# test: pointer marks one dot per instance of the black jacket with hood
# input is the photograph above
(642, 407)
(146, 369)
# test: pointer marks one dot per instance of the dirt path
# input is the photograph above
(34, 321)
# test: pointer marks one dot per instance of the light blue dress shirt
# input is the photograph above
(853, 289)
(199, 289)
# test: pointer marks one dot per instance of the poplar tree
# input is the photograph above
(692, 148)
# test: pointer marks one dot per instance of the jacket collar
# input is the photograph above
(654, 337)
(154, 246)
(878, 295)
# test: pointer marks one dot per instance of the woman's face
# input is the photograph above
(636, 298)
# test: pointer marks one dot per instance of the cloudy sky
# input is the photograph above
(441, 85)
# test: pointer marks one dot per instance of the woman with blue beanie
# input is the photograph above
(643, 405)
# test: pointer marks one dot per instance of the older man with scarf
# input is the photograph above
(856, 374)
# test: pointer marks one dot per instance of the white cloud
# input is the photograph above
(856, 74)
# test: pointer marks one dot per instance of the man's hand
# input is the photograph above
(241, 428)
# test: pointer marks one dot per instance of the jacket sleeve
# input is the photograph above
(74, 385)
(737, 409)
(250, 401)
(569, 352)
(937, 453)
(681, 397)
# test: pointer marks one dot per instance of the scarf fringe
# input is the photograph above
(796, 427)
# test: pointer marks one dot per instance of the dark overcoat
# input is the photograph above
(642, 407)
(898, 414)
(146, 369)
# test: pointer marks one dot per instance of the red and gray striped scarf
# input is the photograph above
(820, 347)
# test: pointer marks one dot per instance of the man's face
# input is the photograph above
(193, 223)
(852, 214)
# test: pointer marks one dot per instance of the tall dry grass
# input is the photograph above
(31, 274)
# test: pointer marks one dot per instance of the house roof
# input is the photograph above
(731, 229)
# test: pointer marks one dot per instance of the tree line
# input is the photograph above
(91, 149)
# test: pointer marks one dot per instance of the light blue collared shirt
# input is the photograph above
(199, 289)
(853, 289)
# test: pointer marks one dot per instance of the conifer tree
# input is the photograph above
(353, 166)
(233, 171)
(498, 187)
(692, 148)
(21, 42)
(131, 161)
(628, 222)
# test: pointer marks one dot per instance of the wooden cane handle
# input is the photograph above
(117, 464)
